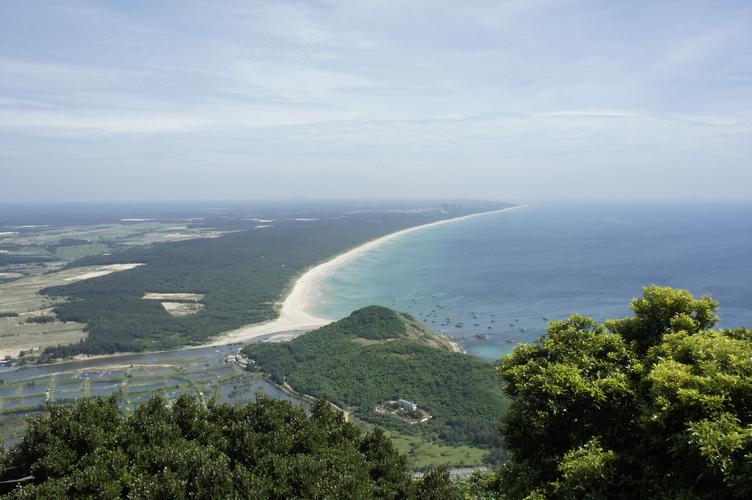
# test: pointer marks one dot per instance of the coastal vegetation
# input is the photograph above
(658, 405)
(241, 275)
(376, 355)
(263, 449)
(32, 257)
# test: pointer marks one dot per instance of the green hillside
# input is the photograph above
(377, 355)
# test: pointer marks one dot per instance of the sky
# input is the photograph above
(503, 100)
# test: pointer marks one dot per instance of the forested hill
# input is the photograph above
(377, 355)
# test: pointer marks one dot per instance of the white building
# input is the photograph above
(408, 405)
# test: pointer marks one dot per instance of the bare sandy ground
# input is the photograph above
(101, 271)
(182, 309)
(294, 314)
(181, 296)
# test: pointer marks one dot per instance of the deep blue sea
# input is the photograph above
(506, 275)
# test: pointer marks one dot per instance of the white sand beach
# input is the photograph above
(294, 314)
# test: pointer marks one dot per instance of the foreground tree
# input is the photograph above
(264, 449)
(652, 406)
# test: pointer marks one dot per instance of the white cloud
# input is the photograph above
(330, 90)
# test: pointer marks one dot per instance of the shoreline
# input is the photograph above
(294, 314)
(294, 319)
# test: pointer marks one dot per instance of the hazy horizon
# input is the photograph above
(243, 101)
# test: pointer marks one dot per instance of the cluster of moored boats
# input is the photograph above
(488, 321)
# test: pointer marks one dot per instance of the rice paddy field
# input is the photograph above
(134, 379)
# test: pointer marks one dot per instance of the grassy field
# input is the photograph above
(72, 252)
(35, 259)
(422, 453)
(36, 251)
(78, 239)
(17, 336)
(22, 298)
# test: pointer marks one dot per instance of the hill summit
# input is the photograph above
(374, 324)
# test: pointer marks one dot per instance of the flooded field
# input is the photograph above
(133, 378)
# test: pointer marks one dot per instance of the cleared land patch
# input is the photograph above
(124, 234)
(422, 453)
(72, 252)
(179, 309)
(98, 271)
(175, 297)
(178, 304)
(39, 249)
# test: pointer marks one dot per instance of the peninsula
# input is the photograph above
(264, 266)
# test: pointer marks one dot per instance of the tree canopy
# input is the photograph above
(657, 405)
(263, 449)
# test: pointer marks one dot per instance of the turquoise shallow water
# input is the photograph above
(505, 275)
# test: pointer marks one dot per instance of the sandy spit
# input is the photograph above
(294, 314)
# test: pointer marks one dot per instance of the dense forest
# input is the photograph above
(657, 405)
(263, 449)
(375, 355)
(241, 275)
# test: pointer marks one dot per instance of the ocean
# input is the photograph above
(495, 281)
